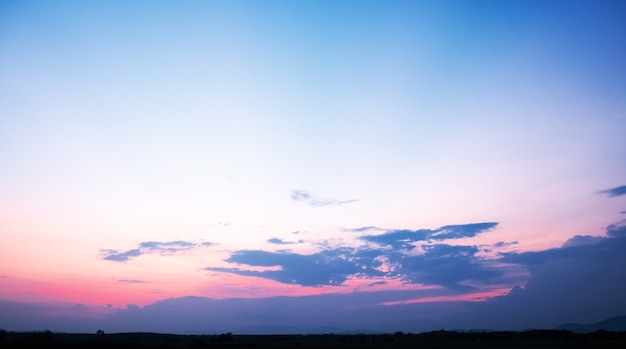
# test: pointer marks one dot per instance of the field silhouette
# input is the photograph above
(546, 339)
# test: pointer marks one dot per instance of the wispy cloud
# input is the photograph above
(163, 248)
(131, 281)
(307, 198)
(617, 191)
(364, 229)
(277, 241)
(170, 247)
(405, 239)
(114, 255)
(504, 244)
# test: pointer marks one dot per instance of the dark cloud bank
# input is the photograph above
(582, 281)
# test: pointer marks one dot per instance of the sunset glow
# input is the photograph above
(386, 158)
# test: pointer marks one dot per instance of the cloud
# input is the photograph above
(616, 230)
(113, 255)
(582, 283)
(399, 239)
(404, 239)
(576, 248)
(330, 267)
(307, 198)
(132, 307)
(430, 264)
(574, 283)
(167, 248)
(131, 281)
(443, 265)
(378, 283)
(364, 229)
(617, 191)
(300, 195)
(278, 241)
(163, 248)
(579, 240)
(504, 244)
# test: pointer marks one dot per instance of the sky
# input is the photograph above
(299, 166)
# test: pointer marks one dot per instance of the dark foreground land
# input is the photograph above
(542, 339)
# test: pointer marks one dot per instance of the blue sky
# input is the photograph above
(154, 150)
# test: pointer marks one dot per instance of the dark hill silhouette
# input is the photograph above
(617, 323)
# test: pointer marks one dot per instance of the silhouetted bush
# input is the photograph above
(225, 337)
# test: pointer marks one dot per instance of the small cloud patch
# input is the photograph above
(167, 248)
(114, 255)
(307, 198)
(364, 229)
(277, 241)
(505, 244)
(613, 192)
(131, 281)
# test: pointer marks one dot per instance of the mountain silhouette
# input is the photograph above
(617, 323)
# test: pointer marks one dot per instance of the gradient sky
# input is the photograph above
(377, 154)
